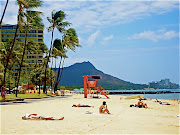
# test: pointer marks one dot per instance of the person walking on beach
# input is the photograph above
(3, 90)
(103, 108)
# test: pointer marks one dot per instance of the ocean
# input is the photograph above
(170, 96)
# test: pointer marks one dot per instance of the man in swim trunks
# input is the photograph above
(103, 108)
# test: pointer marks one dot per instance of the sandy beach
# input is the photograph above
(157, 119)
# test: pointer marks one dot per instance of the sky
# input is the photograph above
(136, 41)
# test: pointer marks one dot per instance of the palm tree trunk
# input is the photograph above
(4, 12)
(9, 81)
(57, 78)
(55, 70)
(44, 89)
(51, 72)
(55, 64)
(22, 59)
(39, 86)
(61, 71)
(9, 55)
(12, 47)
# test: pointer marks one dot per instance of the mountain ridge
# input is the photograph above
(73, 76)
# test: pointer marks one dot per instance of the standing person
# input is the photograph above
(3, 89)
(103, 108)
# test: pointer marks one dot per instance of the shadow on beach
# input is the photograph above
(33, 100)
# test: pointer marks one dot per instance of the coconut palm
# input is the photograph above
(57, 51)
(33, 20)
(16, 55)
(4, 12)
(58, 45)
(57, 21)
(22, 4)
(70, 41)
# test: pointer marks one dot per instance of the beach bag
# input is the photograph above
(131, 105)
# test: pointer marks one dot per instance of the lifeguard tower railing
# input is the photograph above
(88, 84)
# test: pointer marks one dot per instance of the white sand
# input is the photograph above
(158, 119)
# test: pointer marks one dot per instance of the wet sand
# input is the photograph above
(157, 119)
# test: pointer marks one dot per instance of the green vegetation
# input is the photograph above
(14, 53)
(27, 96)
(60, 47)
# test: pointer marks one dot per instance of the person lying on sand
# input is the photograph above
(157, 100)
(103, 108)
(35, 117)
(140, 104)
(142, 98)
(162, 103)
(82, 105)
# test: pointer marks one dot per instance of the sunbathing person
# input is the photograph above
(78, 105)
(157, 100)
(140, 104)
(162, 103)
(142, 98)
(35, 117)
(103, 108)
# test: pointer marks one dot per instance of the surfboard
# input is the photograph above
(134, 97)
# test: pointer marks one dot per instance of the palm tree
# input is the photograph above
(58, 45)
(33, 20)
(16, 55)
(57, 51)
(69, 41)
(56, 21)
(23, 4)
(4, 12)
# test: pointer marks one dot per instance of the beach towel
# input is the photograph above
(87, 112)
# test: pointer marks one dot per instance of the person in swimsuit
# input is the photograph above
(103, 108)
(35, 117)
(3, 89)
(82, 105)
(162, 103)
(140, 104)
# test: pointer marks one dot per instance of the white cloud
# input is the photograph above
(90, 14)
(92, 38)
(108, 38)
(155, 36)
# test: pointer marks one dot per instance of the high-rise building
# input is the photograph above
(167, 83)
(36, 34)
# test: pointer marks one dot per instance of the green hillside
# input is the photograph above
(73, 76)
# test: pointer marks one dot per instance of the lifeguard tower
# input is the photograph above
(88, 84)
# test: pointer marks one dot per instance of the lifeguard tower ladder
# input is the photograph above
(92, 84)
